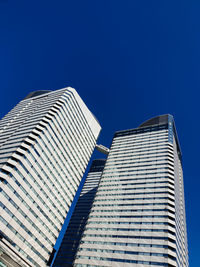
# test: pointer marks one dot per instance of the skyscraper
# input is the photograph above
(138, 214)
(46, 142)
(72, 237)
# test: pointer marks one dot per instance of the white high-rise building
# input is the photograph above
(46, 142)
(138, 214)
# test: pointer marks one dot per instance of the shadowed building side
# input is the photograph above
(72, 237)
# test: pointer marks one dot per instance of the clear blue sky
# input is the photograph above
(129, 60)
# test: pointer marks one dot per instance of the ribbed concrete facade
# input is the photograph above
(45, 144)
(138, 214)
(72, 237)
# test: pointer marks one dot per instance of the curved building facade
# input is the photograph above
(138, 214)
(46, 142)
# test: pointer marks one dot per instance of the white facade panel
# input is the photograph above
(43, 157)
(137, 217)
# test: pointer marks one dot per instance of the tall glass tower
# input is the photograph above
(138, 214)
(46, 142)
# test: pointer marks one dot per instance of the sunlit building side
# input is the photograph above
(46, 142)
(138, 214)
